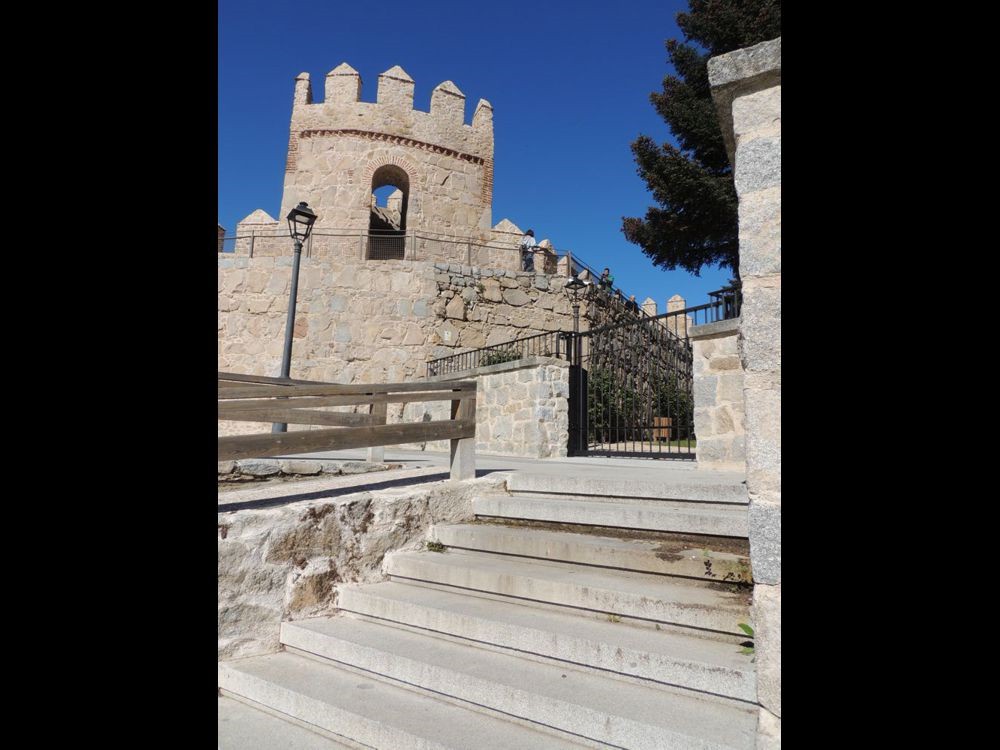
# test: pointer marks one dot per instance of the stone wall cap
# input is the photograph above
(519, 364)
(448, 87)
(506, 225)
(742, 71)
(397, 73)
(743, 64)
(714, 329)
(259, 216)
(343, 70)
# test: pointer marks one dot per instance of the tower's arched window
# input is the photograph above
(387, 225)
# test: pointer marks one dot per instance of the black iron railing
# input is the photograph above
(551, 344)
(725, 305)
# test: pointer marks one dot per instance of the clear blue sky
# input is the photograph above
(569, 83)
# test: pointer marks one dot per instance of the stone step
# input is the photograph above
(370, 711)
(678, 601)
(242, 726)
(706, 558)
(692, 486)
(588, 640)
(655, 515)
(588, 705)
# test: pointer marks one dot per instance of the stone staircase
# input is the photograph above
(571, 613)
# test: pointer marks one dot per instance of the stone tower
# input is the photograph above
(342, 149)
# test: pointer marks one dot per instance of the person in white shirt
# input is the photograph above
(528, 246)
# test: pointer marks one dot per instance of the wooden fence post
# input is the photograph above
(377, 412)
(463, 450)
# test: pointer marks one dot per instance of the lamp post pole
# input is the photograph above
(578, 424)
(300, 221)
(286, 355)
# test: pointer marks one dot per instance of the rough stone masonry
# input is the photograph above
(746, 86)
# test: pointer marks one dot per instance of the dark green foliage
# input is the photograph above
(695, 222)
(498, 356)
(620, 409)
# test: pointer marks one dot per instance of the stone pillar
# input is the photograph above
(746, 86)
(678, 324)
(718, 396)
(222, 235)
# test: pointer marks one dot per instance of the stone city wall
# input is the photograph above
(284, 563)
(746, 86)
(483, 306)
(374, 321)
(718, 396)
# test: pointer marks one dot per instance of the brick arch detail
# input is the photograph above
(383, 160)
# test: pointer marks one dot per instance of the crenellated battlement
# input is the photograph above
(393, 112)
(341, 149)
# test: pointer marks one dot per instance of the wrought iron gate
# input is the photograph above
(631, 390)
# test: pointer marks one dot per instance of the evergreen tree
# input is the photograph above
(695, 223)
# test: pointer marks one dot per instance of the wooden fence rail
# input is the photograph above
(251, 398)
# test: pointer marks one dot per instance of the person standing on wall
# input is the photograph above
(528, 246)
(606, 281)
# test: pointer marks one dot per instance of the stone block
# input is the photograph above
(448, 334)
(758, 111)
(758, 164)
(767, 645)
(722, 421)
(258, 467)
(762, 425)
(745, 63)
(712, 450)
(760, 233)
(226, 467)
(456, 309)
(730, 387)
(760, 327)
(298, 466)
(705, 389)
(516, 297)
(491, 290)
(765, 539)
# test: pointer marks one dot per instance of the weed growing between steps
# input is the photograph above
(434, 547)
(748, 646)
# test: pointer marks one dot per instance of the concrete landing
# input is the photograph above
(634, 470)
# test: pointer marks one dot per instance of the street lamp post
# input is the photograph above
(578, 424)
(576, 285)
(300, 223)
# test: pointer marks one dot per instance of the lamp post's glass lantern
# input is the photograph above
(300, 222)
(576, 285)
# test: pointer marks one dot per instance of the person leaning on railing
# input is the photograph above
(607, 281)
(528, 246)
